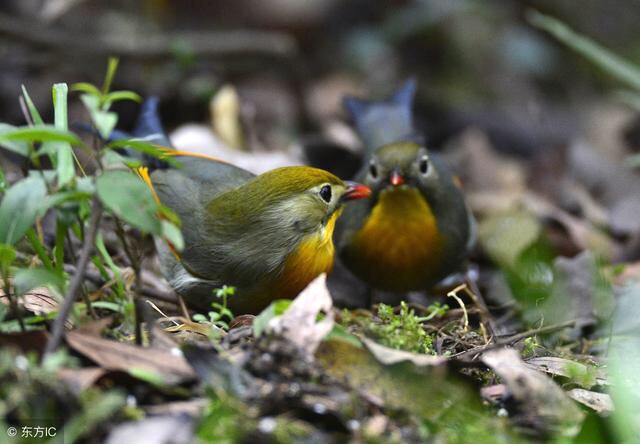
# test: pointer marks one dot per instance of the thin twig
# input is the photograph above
(155, 307)
(510, 340)
(183, 307)
(15, 308)
(85, 296)
(76, 282)
(485, 315)
(151, 45)
(536, 331)
(135, 264)
(454, 294)
(148, 292)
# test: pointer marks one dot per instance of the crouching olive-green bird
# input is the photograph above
(416, 229)
(268, 235)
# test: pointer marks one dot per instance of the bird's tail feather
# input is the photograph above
(149, 128)
(382, 122)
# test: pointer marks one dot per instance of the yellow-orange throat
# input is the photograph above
(313, 256)
(399, 245)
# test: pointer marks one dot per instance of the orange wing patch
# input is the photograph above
(173, 153)
(143, 173)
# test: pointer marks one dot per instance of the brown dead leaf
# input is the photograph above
(79, 379)
(113, 355)
(39, 301)
(96, 327)
(241, 321)
(35, 340)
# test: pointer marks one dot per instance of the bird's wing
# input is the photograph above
(187, 191)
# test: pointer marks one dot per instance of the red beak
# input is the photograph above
(396, 179)
(355, 191)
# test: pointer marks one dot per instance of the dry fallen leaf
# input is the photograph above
(193, 407)
(540, 403)
(299, 323)
(111, 355)
(160, 429)
(600, 402)
(79, 379)
(39, 301)
(566, 368)
(390, 356)
(26, 341)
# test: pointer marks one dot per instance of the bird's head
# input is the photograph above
(300, 197)
(401, 165)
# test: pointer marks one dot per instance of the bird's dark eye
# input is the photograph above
(373, 170)
(424, 165)
(325, 193)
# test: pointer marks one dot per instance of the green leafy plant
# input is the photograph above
(402, 330)
(614, 65)
(435, 310)
(29, 390)
(529, 346)
(220, 312)
(275, 309)
(78, 200)
(225, 420)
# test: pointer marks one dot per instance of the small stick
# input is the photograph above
(155, 307)
(76, 282)
(183, 307)
(454, 294)
(485, 316)
(136, 286)
(510, 340)
(149, 292)
(13, 302)
(210, 43)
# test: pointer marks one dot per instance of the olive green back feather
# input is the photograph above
(237, 226)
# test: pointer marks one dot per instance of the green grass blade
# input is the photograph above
(111, 72)
(64, 154)
(86, 88)
(39, 248)
(613, 64)
(39, 133)
(35, 115)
